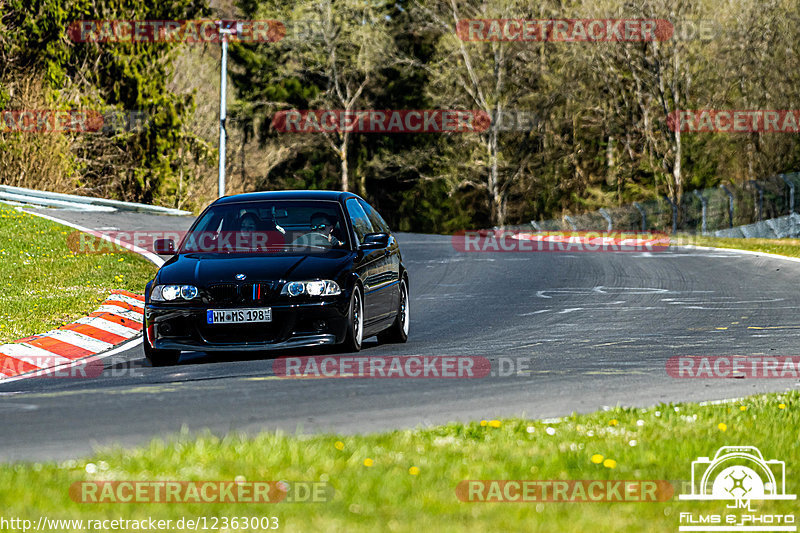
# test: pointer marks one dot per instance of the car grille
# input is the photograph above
(232, 293)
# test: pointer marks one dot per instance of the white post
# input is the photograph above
(223, 85)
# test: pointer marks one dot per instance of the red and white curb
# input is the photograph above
(117, 321)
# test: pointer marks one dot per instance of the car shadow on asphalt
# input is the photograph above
(205, 358)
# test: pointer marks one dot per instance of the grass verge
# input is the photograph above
(44, 284)
(406, 480)
(787, 247)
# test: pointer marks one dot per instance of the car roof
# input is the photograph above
(338, 196)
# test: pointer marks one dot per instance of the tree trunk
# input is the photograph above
(343, 156)
(495, 196)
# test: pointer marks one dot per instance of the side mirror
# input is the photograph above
(375, 240)
(164, 246)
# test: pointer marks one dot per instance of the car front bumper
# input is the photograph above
(293, 325)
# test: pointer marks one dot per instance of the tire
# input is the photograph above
(355, 322)
(160, 357)
(398, 331)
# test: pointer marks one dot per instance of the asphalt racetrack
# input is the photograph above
(590, 329)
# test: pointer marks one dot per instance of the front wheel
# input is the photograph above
(398, 331)
(160, 357)
(355, 322)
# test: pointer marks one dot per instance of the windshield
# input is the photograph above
(268, 227)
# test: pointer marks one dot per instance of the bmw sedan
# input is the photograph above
(270, 270)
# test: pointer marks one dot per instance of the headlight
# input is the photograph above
(169, 293)
(312, 288)
(295, 288)
(188, 292)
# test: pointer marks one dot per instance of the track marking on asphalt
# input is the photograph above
(529, 345)
(536, 312)
(614, 372)
(612, 343)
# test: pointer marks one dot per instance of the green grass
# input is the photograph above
(44, 284)
(787, 247)
(646, 444)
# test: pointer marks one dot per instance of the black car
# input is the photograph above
(268, 270)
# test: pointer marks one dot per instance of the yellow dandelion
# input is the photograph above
(722, 426)
(613, 422)
(597, 458)
(610, 463)
(483, 423)
(339, 445)
(782, 406)
(494, 423)
(414, 471)
(368, 462)
(743, 408)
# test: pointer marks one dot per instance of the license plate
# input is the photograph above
(239, 316)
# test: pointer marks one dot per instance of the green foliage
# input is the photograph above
(130, 77)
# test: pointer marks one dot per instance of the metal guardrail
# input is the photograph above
(707, 211)
(20, 195)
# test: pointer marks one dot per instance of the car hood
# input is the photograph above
(202, 269)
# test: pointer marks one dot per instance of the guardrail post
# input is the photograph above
(674, 214)
(642, 212)
(606, 216)
(760, 190)
(730, 204)
(704, 203)
(570, 222)
(791, 192)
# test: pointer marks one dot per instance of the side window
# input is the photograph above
(359, 218)
(377, 221)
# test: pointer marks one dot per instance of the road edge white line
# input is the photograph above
(150, 256)
(740, 251)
